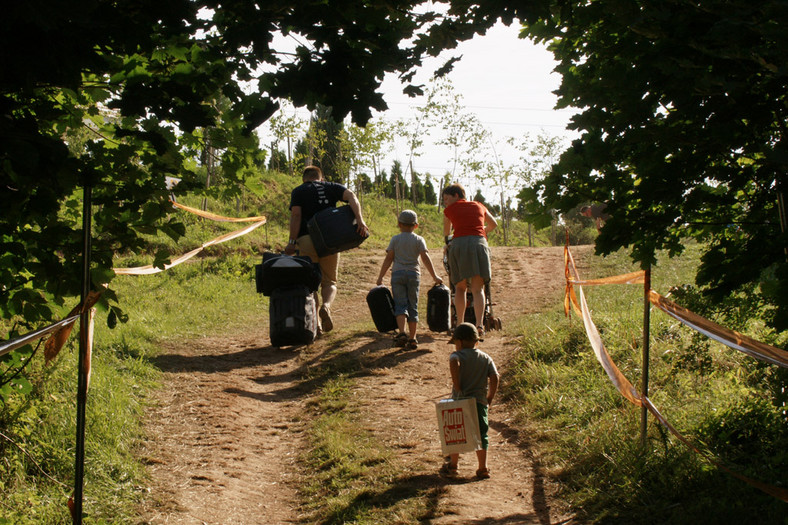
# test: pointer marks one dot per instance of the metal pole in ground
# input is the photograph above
(82, 376)
(646, 338)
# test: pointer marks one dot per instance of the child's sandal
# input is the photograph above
(401, 339)
(448, 470)
(483, 473)
(413, 344)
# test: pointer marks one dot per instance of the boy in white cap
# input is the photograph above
(473, 374)
(404, 251)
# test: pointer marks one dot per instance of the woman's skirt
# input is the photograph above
(469, 256)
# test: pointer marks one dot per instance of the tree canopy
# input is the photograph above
(683, 111)
(117, 96)
(683, 121)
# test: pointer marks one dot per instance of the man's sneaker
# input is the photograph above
(325, 319)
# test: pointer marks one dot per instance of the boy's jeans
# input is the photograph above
(405, 289)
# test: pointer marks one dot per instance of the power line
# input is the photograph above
(501, 108)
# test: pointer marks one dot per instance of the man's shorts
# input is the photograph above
(328, 264)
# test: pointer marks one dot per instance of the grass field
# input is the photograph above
(722, 400)
(725, 402)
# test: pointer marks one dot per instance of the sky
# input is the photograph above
(507, 82)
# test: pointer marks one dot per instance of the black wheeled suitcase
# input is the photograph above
(278, 269)
(333, 230)
(438, 308)
(381, 306)
(292, 316)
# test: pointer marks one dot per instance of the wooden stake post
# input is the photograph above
(646, 325)
(82, 376)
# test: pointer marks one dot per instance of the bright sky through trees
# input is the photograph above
(506, 81)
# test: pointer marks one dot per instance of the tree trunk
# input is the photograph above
(443, 184)
(289, 156)
(396, 191)
(783, 217)
(412, 185)
(503, 222)
(208, 163)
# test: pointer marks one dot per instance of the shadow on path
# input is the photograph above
(313, 374)
(539, 498)
(220, 363)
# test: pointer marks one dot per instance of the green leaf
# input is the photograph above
(112, 319)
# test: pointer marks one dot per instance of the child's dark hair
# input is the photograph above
(455, 190)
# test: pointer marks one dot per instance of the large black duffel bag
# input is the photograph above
(334, 230)
(439, 308)
(381, 306)
(292, 316)
(279, 270)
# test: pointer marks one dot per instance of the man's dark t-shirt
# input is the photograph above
(314, 196)
(598, 211)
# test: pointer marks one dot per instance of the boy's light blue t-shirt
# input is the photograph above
(407, 247)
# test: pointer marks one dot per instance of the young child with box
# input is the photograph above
(404, 251)
(474, 375)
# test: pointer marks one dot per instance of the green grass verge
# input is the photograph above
(721, 399)
(354, 478)
(209, 296)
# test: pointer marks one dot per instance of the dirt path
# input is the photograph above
(227, 427)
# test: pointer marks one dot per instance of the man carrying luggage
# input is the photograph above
(314, 195)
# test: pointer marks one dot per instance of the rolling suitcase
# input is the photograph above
(278, 269)
(292, 315)
(438, 308)
(381, 306)
(333, 230)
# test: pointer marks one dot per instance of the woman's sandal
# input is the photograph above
(480, 330)
(483, 473)
(412, 344)
(401, 339)
(448, 470)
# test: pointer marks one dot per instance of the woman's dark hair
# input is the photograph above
(455, 190)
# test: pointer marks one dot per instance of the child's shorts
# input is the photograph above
(405, 289)
(484, 424)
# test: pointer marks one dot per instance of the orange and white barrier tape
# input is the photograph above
(55, 343)
(731, 338)
(214, 217)
(61, 330)
(622, 383)
(150, 269)
(717, 332)
(726, 336)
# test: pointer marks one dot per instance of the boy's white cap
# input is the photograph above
(408, 217)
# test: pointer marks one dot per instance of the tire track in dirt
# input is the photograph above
(226, 427)
(402, 412)
(224, 434)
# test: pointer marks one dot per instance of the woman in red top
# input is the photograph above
(469, 254)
